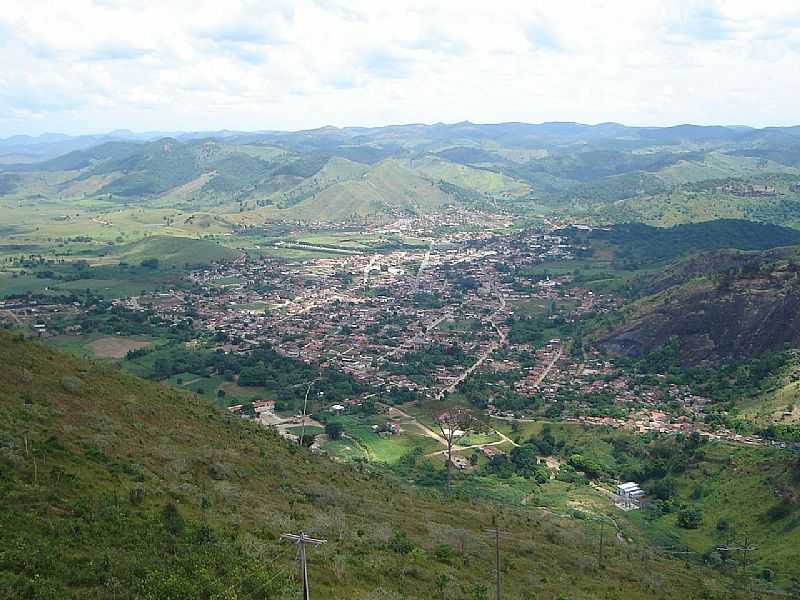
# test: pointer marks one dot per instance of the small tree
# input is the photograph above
(334, 430)
(690, 518)
(172, 519)
(442, 581)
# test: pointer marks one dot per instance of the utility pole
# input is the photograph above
(602, 521)
(745, 550)
(301, 541)
(305, 408)
(497, 532)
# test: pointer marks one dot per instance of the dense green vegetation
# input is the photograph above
(286, 379)
(637, 245)
(701, 494)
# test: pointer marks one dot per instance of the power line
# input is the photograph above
(602, 520)
(745, 550)
(497, 533)
(301, 540)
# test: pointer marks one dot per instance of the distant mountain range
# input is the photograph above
(341, 173)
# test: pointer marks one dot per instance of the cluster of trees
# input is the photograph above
(723, 383)
(482, 387)
(286, 377)
(522, 460)
(105, 318)
(534, 330)
(427, 300)
(289, 377)
(641, 245)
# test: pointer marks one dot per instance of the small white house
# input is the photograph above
(629, 495)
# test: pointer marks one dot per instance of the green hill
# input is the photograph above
(174, 251)
(738, 493)
(479, 180)
(641, 245)
(607, 172)
(387, 188)
(114, 487)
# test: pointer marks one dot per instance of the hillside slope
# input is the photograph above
(114, 487)
(637, 245)
(387, 188)
(177, 251)
(725, 305)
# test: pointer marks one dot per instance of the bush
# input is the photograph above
(72, 384)
(780, 511)
(690, 518)
(136, 496)
(444, 553)
(172, 519)
(400, 543)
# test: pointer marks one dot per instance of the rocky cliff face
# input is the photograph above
(728, 307)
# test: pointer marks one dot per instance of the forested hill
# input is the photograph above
(639, 245)
(114, 487)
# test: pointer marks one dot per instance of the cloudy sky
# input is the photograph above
(86, 66)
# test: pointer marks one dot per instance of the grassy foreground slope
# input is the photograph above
(114, 487)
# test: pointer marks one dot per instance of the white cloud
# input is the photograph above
(88, 65)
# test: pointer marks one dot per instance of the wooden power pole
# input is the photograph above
(301, 541)
(497, 532)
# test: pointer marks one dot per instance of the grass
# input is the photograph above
(388, 449)
(781, 405)
(597, 274)
(309, 430)
(473, 439)
(344, 450)
(174, 251)
(742, 486)
(107, 280)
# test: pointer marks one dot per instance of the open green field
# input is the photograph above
(112, 271)
(473, 439)
(389, 449)
(344, 450)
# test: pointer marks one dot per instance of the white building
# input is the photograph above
(629, 495)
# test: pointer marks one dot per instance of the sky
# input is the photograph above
(90, 66)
